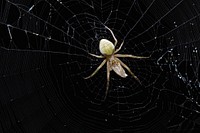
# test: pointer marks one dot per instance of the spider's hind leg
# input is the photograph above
(112, 35)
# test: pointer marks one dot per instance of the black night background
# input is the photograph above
(44, 57)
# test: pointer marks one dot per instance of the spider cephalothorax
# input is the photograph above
(108, 51)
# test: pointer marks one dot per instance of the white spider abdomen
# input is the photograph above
(106, 47)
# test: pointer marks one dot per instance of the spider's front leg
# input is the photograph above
(128, 69)
(108, 79)
(97, 69)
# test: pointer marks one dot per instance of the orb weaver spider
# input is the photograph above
(108, 51)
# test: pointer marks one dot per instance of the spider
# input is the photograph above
(109, 53)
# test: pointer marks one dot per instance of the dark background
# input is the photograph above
(44, 58)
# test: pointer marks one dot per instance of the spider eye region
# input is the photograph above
(106, 47)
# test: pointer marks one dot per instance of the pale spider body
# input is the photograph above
(108, 51)
(106, 47)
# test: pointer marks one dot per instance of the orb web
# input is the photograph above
(45, 48)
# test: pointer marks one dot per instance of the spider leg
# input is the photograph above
(128, 69)
(108, 79)
(97, 56)
(117, 50)
(112, 35)
(98, 68)
(131, 56)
